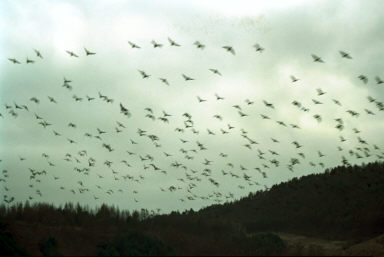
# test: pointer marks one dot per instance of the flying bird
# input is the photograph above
(363, 78)
(201, 99)
(215, 71)
(199, 45)
(320, 91)
(317, 58)
(270, 105)
(293, 78)
(249, 102)
(87, 52)
(173, 43)
(13, 60)
(165, 81)
(133, 45)
(143, 74)
(345, 55)
(379, 80)
(336, 102)
(52, 100)
(72, 54)
(258, 48)
(316, 102)
(186, 78)
(38, 54)
(155, 44)
(27, 61)
(229, 49)
(219, 97)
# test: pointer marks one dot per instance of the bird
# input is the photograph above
(155, 44)
(13, 60)
(27, 61)
(143, 74)
(242, 114)
(363, 78)
(249, 102)
(316, 102)
(72, 54)
(38, 54)
(274, 140)
(265, 117)
(258, 48)
(215, 71)
(270, 105)
(165, 81)
(173, 43)
(379, 80)
(294, 79)
(90, 98)
(345, 55)
(229, 49)
(201, 99)
(369, 112)
(317, 58)
(35, 100)
(199, 45)
(317, 117)
(87, 52)
(51, 99)
(133, 45)
(187, 78)
(336, 102)
(219, 97)
(320, 91)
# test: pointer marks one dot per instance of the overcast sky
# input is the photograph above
(288, 31)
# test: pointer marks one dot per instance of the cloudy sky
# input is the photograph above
(42, 166)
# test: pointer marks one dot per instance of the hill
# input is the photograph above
(339, 211)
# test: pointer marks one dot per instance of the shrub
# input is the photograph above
(134, 244)
(267, 244)
(8, 246)
(48, 246)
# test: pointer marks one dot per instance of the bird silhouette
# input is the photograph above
(258, 48)
(72, 54)
(270, 105)
(13, 60)
(172, 43)
(201, 99)
(143, 74)
(379, 80)
(215, 71)
(27, 61)
(363, 78)
(38, 54)
(87, 52)
(187, 78)
(317, 58)
(345, 55)
(219, 97)
(199, 45)
(165, 81)
(155, 44)
(294, 79)
(229, 49)
(133, 45)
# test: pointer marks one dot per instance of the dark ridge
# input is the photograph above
(343, 203)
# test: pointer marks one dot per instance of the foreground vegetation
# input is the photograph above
(344, 203)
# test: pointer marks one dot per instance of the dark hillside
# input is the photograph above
(344, 203)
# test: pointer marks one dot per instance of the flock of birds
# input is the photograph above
(190, 167)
